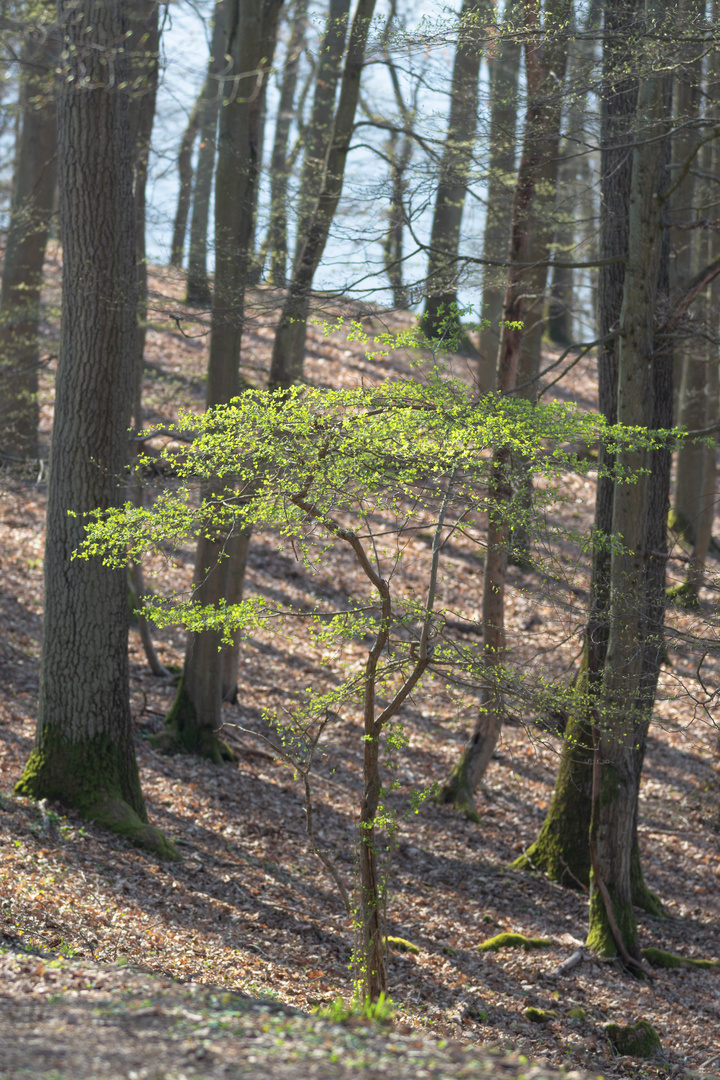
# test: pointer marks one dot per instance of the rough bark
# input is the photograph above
(31, 211)
(441, 318)
(185, 172)
(289, 345)
(198, 282)
(503, 72)
(84, 754)
(621, 712)
(467, 774)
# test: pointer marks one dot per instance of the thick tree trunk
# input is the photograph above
(540, 118)
(32, 208)
(277, 239)
(288, 354)
(441, 319)
(198, 282)
(621, 713)
(84, 754)
(558, 844)
(503, 72)
(251, 33)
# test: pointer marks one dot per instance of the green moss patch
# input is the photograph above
(661, 959)
(399, 944)
(539, 1016)
(513, 941)
(577, 1014)
(636, 1040)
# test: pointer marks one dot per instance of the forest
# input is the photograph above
(360, 654)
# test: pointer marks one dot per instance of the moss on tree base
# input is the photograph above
(183, 735)
(456, 792)
(601, 939)
(636, 1040)
(98, 778)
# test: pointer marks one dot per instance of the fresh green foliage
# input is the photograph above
(381, 1011)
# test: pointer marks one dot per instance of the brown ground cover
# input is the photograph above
(250, 910)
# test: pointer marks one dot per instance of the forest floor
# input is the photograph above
(250, 910)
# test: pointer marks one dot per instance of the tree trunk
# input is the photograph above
(198, 282)
(288, 354)
(558, 845)
(185, 171)
(503, 71)
(441, 318)
(277, 240)
(84, 754)
(251, 33)
(621, 714)
(539, 121)
(32, 207)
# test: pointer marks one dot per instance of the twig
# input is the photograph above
(572, 962)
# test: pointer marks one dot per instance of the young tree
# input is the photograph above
(84, 754)
(30, 215)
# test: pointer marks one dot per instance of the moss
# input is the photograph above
(99, 778)
(513, 941)
(643, 897)
(448, 950)
(538, 1016)
(601, 939)
(661, 959)
(401, 945)
(182, 733)
(577, 1014)
(457, 792)
(636, 1040)
(677, 523)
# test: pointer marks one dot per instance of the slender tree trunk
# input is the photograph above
(31, 211)
(503, 72)
(540, 117)
(251, 33)
(441, 318)
(198, 282)
(84, 754)
(621, 714)
(277, 239)
(319, 130)
(185, 171)
(289, 345)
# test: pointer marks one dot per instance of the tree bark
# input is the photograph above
(84, 754)
(198, 282)
(251, 34)
(441, 318)
(621, 713)
(185, 172)
(288, 354)
(31, 211)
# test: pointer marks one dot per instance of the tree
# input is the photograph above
(30, 215)
(198, 284)
(540, 121)
(441, 308)
(84, 754)
(251, 33)
(288, 354)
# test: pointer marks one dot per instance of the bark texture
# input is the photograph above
(30, 215)
(84, 754)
